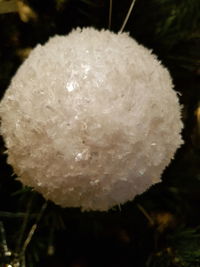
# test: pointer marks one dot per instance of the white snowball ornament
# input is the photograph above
(90, 119)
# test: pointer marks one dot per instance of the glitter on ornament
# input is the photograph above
(90, 119)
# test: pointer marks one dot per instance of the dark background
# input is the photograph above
(158, 228)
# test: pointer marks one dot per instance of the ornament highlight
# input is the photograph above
(90, 119)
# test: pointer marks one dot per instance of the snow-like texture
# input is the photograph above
(90, 119)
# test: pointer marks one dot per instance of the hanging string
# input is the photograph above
(110, 16)
(127, 16)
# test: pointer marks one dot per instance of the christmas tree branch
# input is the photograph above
(33, 229)
(23, 228)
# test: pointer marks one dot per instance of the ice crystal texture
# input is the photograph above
(90, 119)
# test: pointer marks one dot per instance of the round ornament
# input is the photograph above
(90, 119)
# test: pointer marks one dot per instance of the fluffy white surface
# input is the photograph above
(90, 119)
